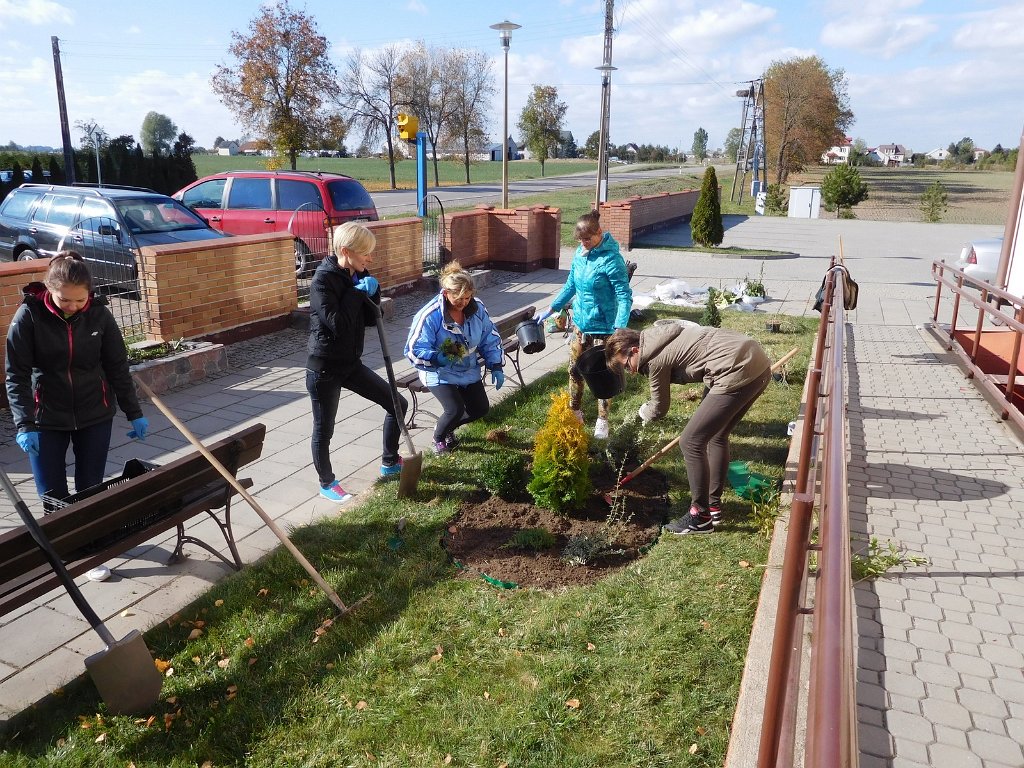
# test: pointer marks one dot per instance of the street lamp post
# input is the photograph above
(95, 135)
(505, 32)
(602, 150)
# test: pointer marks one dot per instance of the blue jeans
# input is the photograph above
(324, 390)
(90, 446)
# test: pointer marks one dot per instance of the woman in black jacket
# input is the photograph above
(66, 366)
(343, 299)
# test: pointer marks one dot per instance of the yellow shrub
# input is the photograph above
(561, 466)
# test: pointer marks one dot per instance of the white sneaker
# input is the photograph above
(601, 429)
(578, 415)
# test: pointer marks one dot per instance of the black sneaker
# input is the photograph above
(716, 514)
(691, 523)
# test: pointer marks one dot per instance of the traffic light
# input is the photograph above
(407, 126)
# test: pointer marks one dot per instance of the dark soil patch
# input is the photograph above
(476, 535)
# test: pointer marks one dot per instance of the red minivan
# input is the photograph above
(307, 204)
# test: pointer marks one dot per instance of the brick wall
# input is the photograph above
(398, 256)
(520, 239)
(626, 219)
(200, 288)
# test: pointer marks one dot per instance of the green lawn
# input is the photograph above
(373, 172)
(433, 665)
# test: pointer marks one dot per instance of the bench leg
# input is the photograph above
(410, 419)
(515, 364)
(225, 528)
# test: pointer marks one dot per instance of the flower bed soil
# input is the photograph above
(481, 527)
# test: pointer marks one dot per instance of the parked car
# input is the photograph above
(980, 259)
(307, 204)
(107, 225)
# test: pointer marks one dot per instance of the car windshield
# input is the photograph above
(158, 215)
(349, 195)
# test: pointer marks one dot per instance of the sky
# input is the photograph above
(921, 73)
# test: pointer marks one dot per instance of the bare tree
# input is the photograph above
(426, 72)
(281, 78)
(472, 88)
(373, 93)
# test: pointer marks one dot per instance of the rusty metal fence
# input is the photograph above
(831, 720)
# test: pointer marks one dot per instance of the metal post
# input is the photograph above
(505, 31)
(421, 173)
(602, 150)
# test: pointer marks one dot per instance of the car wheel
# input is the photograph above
(302, 258)
(27, 255)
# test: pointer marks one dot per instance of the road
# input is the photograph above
(392, 202)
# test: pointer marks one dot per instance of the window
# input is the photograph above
(250, 194)
(61, 212)
(292, 194)
(95, 213)
(349, 195)
(209, 194)
(19, 204)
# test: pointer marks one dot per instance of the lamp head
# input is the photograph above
(505, 31)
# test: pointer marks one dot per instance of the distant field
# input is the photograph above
(894, 194)
(373, 172)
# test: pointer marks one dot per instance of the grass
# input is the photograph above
(639, 669)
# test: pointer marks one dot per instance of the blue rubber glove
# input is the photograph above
(540, 317)
(497, 378)
(29, 442)
(368, 285)
(443, 361)
(140, 427)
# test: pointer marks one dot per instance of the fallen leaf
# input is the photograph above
(232, 689)
(172, 700)
(361, 705)
(169, 672)
(744, 564)
(207, 764)
(218, 603)
(196, 660)
(127, 612)
(130, 764)
(249, 642)
(701, 730)
(329, 665)
(591, 647)
(230, 695)
(161, 665)
(199, 623)
(705, 624)
(573, 703)
(448, 759)
(263, 592)
(224, 663)
(453, 529)
(501, 631)
(693, 749)
(487, 694)
(101, 738)
(60, 742)
(150, 720)
(168, 719)
(195, 633)
(437, 656)
(252, 661)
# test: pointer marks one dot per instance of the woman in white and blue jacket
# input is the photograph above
(598, 290)
(445, 339)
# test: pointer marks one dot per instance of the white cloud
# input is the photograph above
(416, 6)
(997, 28)
(885, 36)
(34, 12)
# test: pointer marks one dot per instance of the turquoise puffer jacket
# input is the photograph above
(598, 289)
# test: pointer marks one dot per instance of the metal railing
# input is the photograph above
(831, 724)
(989, 301)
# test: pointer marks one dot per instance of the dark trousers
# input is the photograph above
(90, 446)
(324, 390)
(461, 405)
(705, 440)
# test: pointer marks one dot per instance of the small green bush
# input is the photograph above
(706, 223)
(624, 444)
(841, 189)
(533, 539)
(502, 473)
(711, 316)
(934, 202)
(775, 202)
(561, 465)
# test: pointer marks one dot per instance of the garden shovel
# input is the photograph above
(124, 673)
(412, 465)
(610, 496)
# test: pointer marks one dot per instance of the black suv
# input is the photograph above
(107, 225)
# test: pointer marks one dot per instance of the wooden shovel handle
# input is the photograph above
(273, 526)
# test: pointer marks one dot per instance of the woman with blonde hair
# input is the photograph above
(447, 335)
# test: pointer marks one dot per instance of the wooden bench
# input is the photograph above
(127, 511)
(506, 327)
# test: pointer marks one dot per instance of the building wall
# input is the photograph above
(398, 255)
(626, 219)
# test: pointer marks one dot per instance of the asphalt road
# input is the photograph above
(392, 202)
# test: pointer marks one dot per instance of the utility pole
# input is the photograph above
(65, 130)
(750, 154)
(606, 100)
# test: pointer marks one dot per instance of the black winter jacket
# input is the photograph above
(339, 317)
(65, 374)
